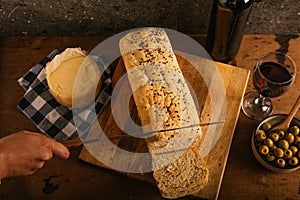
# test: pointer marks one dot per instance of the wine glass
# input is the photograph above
(273, 75)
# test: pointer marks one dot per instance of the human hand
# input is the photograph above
(24, 152)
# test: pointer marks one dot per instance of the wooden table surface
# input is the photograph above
(244, 177)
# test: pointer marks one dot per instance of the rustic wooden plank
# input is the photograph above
(244, 178)
(14, 122)
(243, 173)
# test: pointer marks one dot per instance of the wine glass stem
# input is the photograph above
(260, 102)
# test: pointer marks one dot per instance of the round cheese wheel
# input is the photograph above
(73, 78)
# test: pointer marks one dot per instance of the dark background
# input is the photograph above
(102, 17)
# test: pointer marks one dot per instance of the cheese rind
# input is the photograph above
(73, 78)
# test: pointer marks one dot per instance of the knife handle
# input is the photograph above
(72, 143)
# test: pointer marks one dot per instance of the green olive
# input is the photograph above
(260, 131)
(280, 162)
(289, 137)
(273, 147)
(274, 136)
(268, 142)
(281, 133)
(297, 141)
(278, 152)
(295, 130)
(283, 144)
(264, 150)
(288, 153)
(260, 135)
(294, 149)
(266, 126)
(270, 157)
(293, 161)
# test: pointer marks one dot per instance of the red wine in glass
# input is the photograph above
(273, 74)
(271, 79)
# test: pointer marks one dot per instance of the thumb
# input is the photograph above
(60, 150)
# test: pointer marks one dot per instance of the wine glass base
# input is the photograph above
(255, 107)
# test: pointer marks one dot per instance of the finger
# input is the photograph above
(60, 150)
(31, 171)
(34, 166)
(47, 155)
(38, 165)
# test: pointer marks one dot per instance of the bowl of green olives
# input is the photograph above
(278, 150)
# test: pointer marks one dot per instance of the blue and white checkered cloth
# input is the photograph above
(48, 115)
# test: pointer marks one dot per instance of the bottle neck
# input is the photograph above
(236, 5)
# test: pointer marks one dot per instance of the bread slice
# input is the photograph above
(187, 175)
(164, 101)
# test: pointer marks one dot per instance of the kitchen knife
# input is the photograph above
(77, 141)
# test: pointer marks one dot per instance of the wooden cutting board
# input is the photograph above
(234, 81)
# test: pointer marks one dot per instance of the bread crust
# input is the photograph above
(164, 101)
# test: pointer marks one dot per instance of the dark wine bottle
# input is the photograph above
(227, 24)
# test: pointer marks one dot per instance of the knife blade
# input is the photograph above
(78, 141)
(150, 133)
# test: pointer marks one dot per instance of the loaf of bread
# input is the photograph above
(73, 78)
(164, 101)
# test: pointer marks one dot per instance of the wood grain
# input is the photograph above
(234, 83)
(244, 177)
